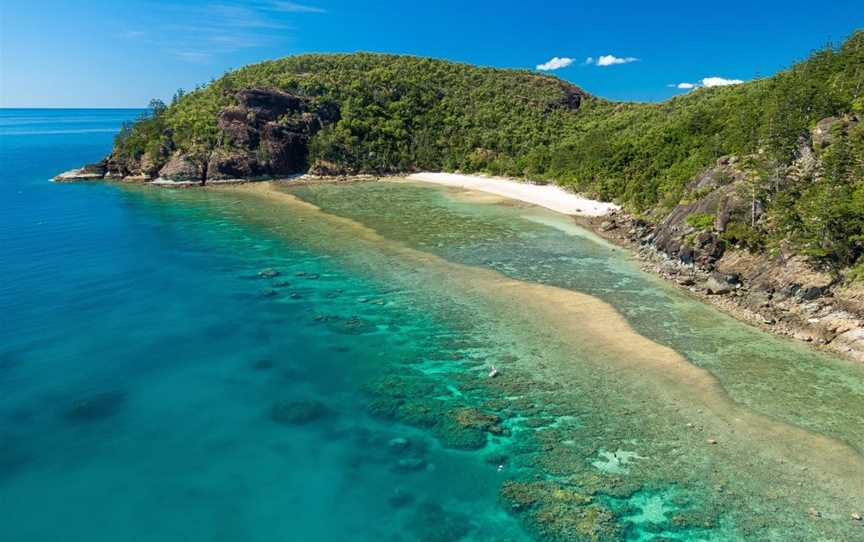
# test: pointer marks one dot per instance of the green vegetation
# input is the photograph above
(700, 221)
(399, 113)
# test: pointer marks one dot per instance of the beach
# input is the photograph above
(549, 196)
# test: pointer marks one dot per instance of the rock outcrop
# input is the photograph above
(89, 172)
(182, 168)
(265, 133)
(782, 291)
(716, 196)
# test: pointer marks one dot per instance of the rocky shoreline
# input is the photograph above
(779, 294)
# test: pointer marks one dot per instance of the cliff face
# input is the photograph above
(264, 133)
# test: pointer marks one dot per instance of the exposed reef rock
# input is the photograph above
(90, 172)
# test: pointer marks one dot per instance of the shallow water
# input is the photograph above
(775, 376)
(237, 365)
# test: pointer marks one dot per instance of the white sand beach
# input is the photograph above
(548, 195)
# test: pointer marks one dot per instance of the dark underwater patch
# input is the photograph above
(94, 408)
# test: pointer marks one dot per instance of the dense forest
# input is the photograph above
(387, 113)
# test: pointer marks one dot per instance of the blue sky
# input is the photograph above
(122, 53)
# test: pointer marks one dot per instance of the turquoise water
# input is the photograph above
(775, 376)
(142, 354)
(223, 365)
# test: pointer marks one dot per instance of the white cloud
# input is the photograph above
(719, 82)
(611, 60)
(555, 64)
(293, 7)
(707, 82)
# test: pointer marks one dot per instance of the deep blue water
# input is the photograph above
(141, 356)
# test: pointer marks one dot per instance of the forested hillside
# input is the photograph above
(796, 174)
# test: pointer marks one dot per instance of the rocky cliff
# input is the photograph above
(263, 133)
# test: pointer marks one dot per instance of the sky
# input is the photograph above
(103, 53)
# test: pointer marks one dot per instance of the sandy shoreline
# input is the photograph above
(549, 196)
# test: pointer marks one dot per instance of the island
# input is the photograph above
(750, 196)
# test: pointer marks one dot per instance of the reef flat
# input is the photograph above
(593, 406)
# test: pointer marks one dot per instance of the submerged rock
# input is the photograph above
(262, 365)
(409, 464)
(268, 273)
(398, 444)
(400, 499)
(351, 326)
(97, 407)
(496, 459)
(431, 523)
(299, 412)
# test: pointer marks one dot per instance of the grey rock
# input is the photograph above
(716, 287)
(181, 168)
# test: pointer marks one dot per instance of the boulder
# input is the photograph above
(181, 168)
(728, 278)
(851, 342)
(224, 165)
(824, 132)
(715, 287)
(809, 293)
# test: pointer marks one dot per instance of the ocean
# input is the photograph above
(312, 363)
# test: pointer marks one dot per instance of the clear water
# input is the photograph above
(159, 382)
